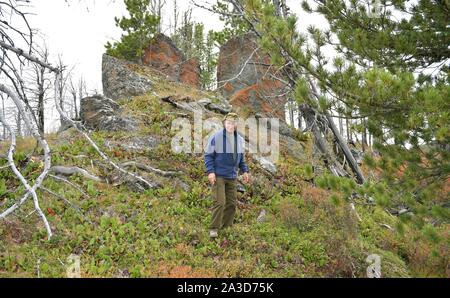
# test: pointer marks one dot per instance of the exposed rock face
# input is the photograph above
(101, 113)
(216, 105)
(252, 85)
(120, 81)
(266, 164)
(190, 73)
(163, 55)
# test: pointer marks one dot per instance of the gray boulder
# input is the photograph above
(101, 113)
(119, 81)
(218, 105)
(266, 164)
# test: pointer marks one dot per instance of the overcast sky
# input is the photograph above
(79, 29)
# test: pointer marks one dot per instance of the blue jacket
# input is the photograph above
(219, 155)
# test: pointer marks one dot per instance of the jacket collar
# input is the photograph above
(224, 131)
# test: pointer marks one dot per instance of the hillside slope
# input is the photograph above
(119, 229)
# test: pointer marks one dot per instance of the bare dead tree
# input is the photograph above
(156, 8)
(65, 73)
(31, 190)
(3, 114)
(176, 15)
(14, 27)
(19, 130)
(42, 86)
(73, 93)
(77, 91)
(13, 59)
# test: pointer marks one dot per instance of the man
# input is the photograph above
(224, 155)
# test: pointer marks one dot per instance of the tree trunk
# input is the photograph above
(19, 125)
(345, 149)
(342, 144)
(321, 143)
(364, 141)
(349, 132)
(284, 8)
(277, 6)
(74, 99)
(291, 113)
(300, 115)
(4, 116)
(41, 114)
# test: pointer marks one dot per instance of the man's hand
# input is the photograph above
(246, 178)
(212, 178)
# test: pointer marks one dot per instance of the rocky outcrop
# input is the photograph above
(190, 73)
(215, 105)
(244, 77)
(163, 55)
(119, 81)
(266, 164)
(101, 113)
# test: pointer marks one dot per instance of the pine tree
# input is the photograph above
(233, 25)
(191, 39)
(210, 62)
(406, 113)
(373, 79)
(140, 28)
(375, 34)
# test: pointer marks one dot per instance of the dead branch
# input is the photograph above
(89, 139)
(387, 226)
(342, 143)
(22, 53)
(68, 171)
(39, 180)
(150, 169)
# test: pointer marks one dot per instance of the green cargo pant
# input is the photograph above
(224, 195)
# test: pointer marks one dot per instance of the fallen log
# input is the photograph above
(150, 169)
(68, 171)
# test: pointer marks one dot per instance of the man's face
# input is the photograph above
(230, 125)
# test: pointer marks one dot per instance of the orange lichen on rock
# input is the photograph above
(189, 73)
(163, 55)
(247, 77)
